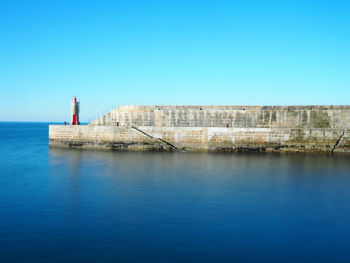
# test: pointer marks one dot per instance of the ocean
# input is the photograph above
(92, 206)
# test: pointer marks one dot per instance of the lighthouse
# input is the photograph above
(75, 112)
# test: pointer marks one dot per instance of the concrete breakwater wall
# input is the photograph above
(231, 116)
(101, 137)
(200, 138)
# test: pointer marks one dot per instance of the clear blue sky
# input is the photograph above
(170, 52)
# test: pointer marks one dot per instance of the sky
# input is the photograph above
(112, 53)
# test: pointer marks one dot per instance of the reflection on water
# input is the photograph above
(204, 207)
(90, 206)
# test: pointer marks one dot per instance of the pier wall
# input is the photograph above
(216, 139)
(101, 137)
(308, 117)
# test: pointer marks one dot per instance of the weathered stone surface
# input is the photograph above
(213, 128)
(200, 138)
(103, 137)
(343, 143)
(233, 116)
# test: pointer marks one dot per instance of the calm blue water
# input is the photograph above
(80, 206)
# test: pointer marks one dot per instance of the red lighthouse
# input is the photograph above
(75, 107)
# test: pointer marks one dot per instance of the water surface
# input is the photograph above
(91, 206)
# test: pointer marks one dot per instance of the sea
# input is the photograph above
(61, 205)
